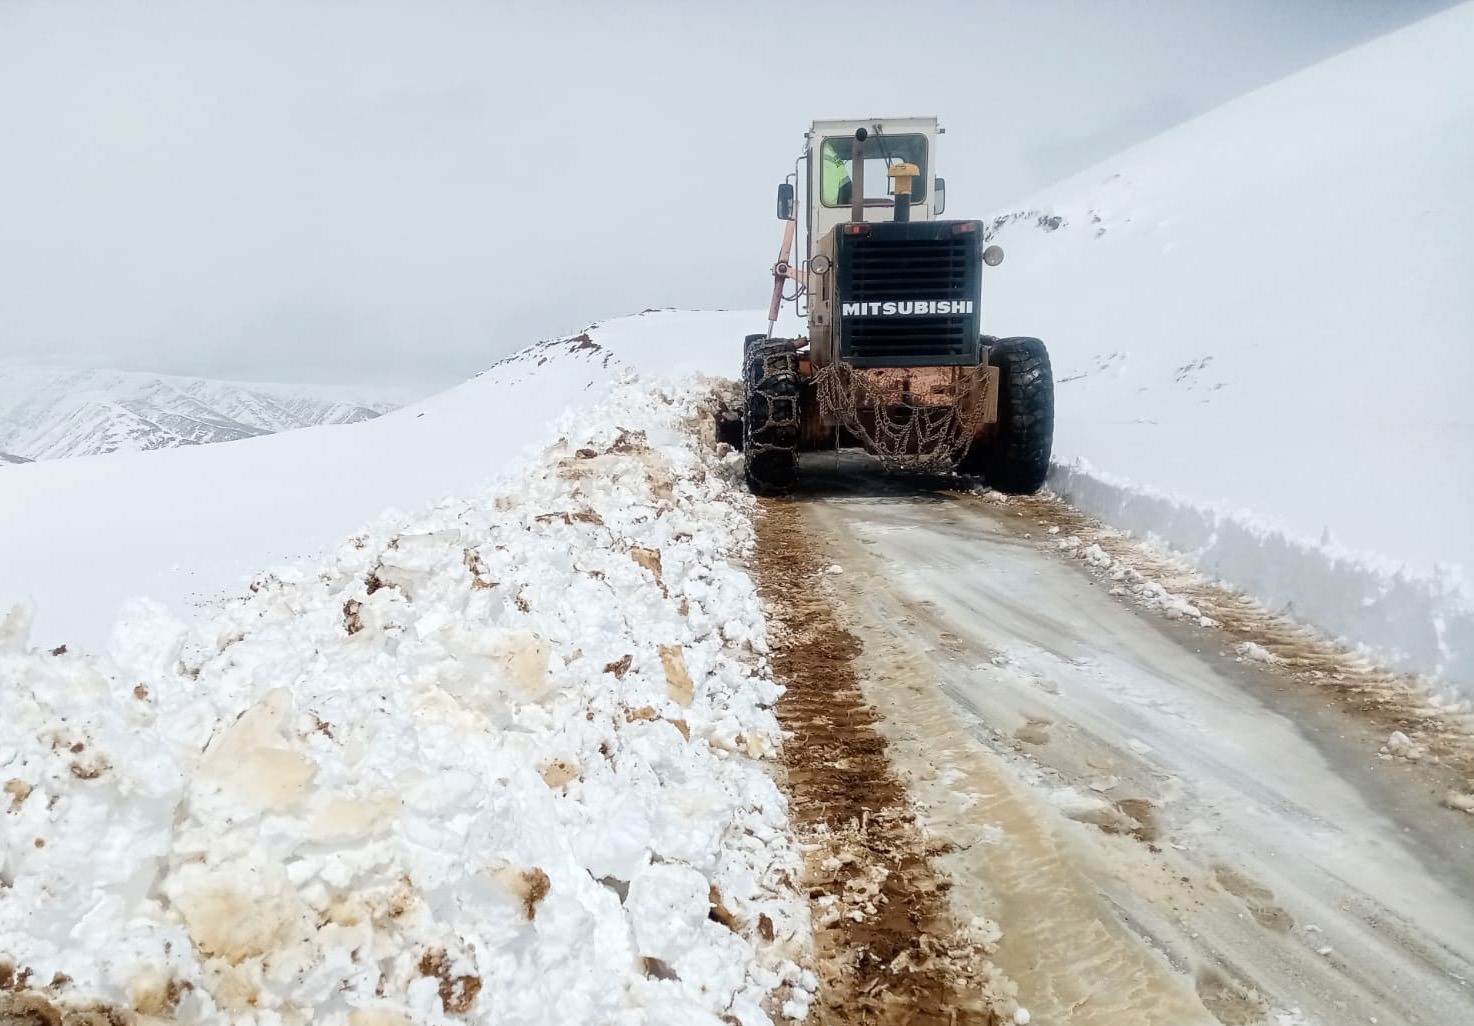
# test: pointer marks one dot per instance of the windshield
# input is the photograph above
(836, 164)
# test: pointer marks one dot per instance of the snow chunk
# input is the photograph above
(1256, 653)
(1460, 802)
(1400, 746)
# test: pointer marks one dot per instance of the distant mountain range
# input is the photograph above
(53, 413)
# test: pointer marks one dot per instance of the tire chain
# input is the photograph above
(923, 437)
(772, 389)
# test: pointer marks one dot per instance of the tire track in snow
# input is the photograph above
(1222, 812)
(887, 947)
(1436, 731)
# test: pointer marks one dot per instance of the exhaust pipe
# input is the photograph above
(857, 176)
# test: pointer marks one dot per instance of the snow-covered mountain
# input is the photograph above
(1261, 325)
(51, 413)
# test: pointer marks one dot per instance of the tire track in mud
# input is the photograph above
(888, 950)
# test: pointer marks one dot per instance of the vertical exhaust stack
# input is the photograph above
(857, 176)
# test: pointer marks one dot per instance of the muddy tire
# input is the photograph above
(770, 414)
(1014, 456)
(728, 420)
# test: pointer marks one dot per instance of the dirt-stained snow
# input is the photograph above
(496, 761)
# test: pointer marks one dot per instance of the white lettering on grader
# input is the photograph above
(904, 308)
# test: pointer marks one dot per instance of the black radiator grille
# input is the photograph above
(910, 268)
(914, 338)
(906, 263)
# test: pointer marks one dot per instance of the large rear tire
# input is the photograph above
(772, 394)
(1014, 456)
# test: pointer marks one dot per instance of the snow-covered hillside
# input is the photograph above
(1263, 333)
(51, 413)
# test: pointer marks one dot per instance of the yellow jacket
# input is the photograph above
(833, 173)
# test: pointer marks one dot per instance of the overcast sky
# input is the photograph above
(402, 192)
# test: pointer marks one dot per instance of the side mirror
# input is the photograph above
(785, 201)
(939, 196)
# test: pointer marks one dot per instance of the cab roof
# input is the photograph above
(892, 122)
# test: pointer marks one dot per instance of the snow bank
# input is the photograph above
(1261, 328)
(79, 537)
(497, 761)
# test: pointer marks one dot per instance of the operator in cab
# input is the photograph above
(834, 178)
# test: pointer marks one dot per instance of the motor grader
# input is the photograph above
(894, 361)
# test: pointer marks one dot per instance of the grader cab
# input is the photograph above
(895, 361)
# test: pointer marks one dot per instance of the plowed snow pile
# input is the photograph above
(499, 761)
(80, 536)
(1261, 324)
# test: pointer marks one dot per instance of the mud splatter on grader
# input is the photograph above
(894, 361)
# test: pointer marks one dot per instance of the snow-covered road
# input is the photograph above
(1166, 831)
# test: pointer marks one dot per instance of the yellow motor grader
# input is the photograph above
(895, 361)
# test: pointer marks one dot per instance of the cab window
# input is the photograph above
(836, 166)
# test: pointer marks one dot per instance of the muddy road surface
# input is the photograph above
(1164, 831)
